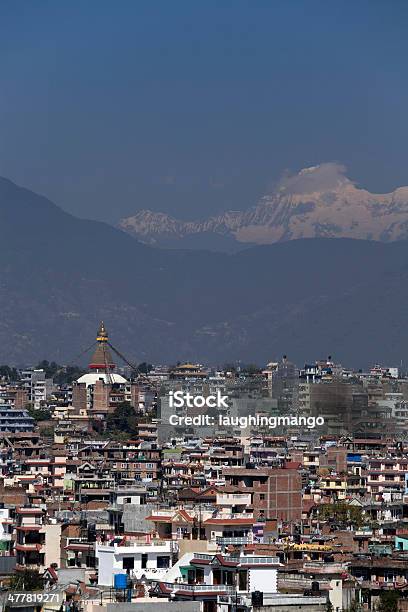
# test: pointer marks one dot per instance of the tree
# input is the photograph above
(50, 368)
(47, 432)
(342, 513)
(144, 368)
(230, 367)
(27, 580)
(388, 601)
(42, 414)
(61, 375)
(122, 420)
(250, 369)
(9, 374)
(67, 374)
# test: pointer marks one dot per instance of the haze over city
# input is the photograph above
(197, 108)
(203, 306)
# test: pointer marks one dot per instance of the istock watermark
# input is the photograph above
(178, 399)
(243, 422)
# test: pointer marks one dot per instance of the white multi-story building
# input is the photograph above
(38, 386)
(137, 559)
(6, 530)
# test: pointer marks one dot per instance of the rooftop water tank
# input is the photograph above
(120, 581)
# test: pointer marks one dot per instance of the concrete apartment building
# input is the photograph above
(38, 543)
(13, 396)
(14, 420)
(37, 386)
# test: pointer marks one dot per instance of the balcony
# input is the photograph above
(232, 541)
(233, 499)
(235, 515)
(27, 548)
(324, 568)
(133, 488)
(259, 560)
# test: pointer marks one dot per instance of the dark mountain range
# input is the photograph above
(60, 275)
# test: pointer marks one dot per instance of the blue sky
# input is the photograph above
(197, 107)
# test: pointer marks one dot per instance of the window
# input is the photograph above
(128, 563)
(243, 580)
(199, 575)
(163, 562)
(262, 496)
(144, 561)
(190, 576)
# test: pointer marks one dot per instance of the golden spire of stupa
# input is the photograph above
(102, 335)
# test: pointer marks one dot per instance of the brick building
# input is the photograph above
(276, 493)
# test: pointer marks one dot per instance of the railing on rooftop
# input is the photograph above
(196, 588)
(254, 560)
(79, 541)
(323, 565)
(232, 541)
(172, 544)
(233, 496)
(135, 488)
(260, 560)
(229, 516)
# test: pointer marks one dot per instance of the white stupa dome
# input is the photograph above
(92, 377)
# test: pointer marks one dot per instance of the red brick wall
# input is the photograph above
(284, 496)
(79, 396)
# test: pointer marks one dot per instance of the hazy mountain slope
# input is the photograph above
(60, 275)
(318, 201)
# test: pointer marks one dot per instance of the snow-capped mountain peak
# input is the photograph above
(317, 201)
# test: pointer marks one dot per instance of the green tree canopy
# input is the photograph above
(61, 375)
(9, 374)
(27, 580)
(42, 414)
(342, 513)
(122, 420)
(388, 601)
